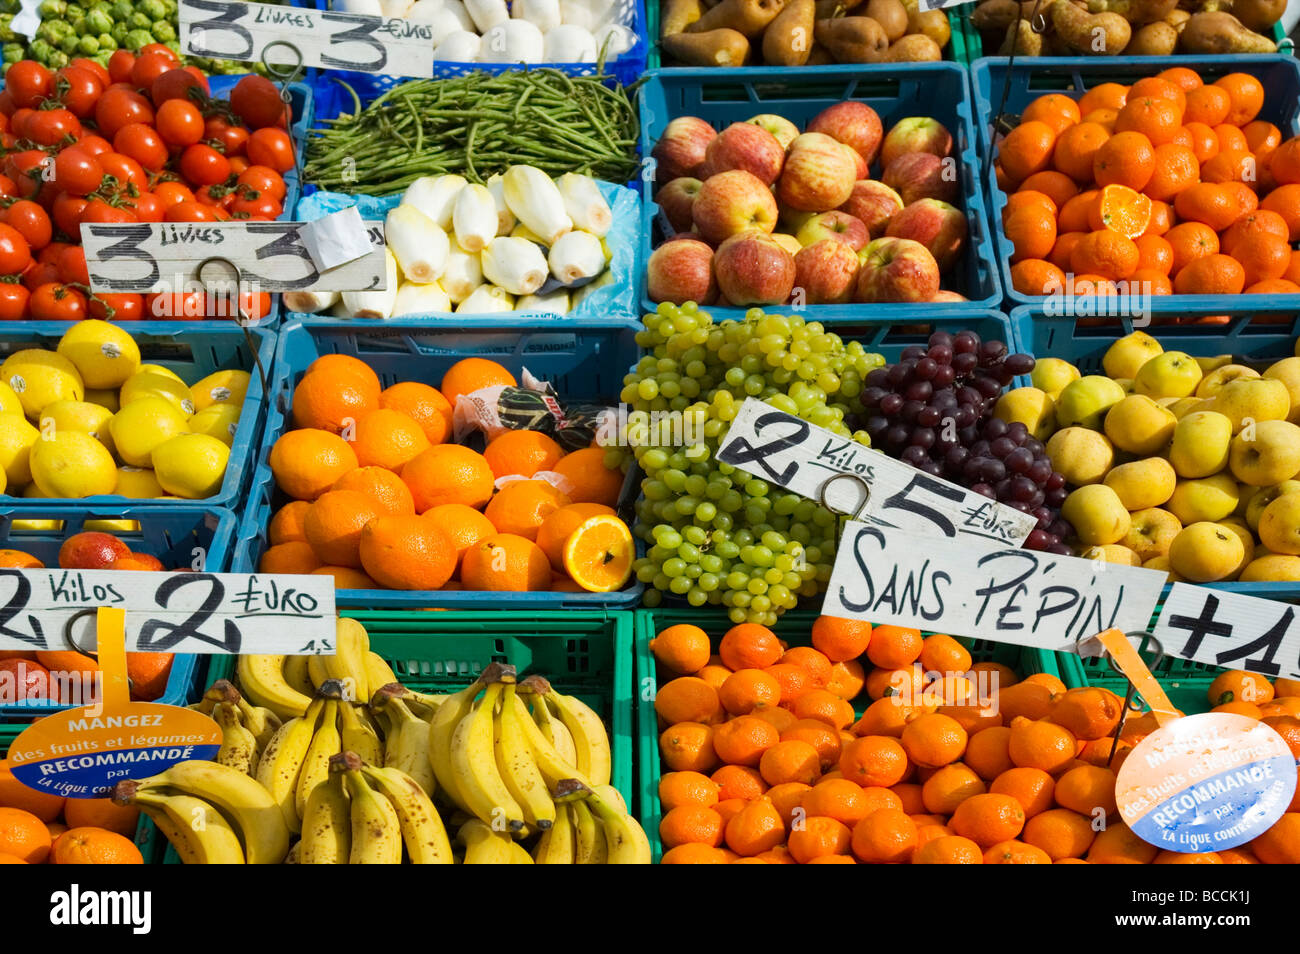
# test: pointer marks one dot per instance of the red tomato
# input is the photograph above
(119, 66)
(28, 82)
(15, 253)
(79, 89)
(95, 145)
(179, 122)
(97, 210)
(78, 171)
(264, 181)
(271, 147)
(120, 107)
(50, 254)
(7, 104)
(172, 192)
(72, 265)
(237, 165)
(4, 123)
(143, 144)
(233, 139)
(7, 186)
(256, 101)
(57, 302)
(124, 169)
(32, 222)
(161, 49)
(113, 307)
(27, 169)
(198, 75)
(66, 213)
(38, 274)
(254, 307)
(189, 212)
(261, 206)
(148, 207)
(149, 66)
(18, 121)
(13, 301)
(204, 195)
(175, 305)
(104, 76)
(203, 165)
(174, 84)
(47, 127)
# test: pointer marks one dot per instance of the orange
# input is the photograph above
(687, 747)
(904, 685)
(933, 740)
(1117, 845)
(1237, 856)
(1286, 688)
(148, 673)
(986, 752)
(464, 525)
(1031, 231)
(422, 404)
(818, 838)
(1154, 254)
(1262, 222)
(14, 794)
(847, 679)
(1284, 162)
(1087, 788)
(1192, 858)
(95, 846)
(887, 716)
(1160, 88)
(886, 836)
(1060, 832)
(683, 648)
(448, 473)
(1236, 685)
(1064, 247)
(940, 653)
(791, 760)
(749, 646)
(1263, 257)
(1104, 95)
(1027, 149)
(988, 819)
(691, 825)
(1231, 139)
(1272, 286)
(1211, 275)
(1182, 77)
(746, 689)
(1207, 104)
(1205, 145)
(334, 523)
(807, 658)
(949, 786)
(1033, 276)
(894, 647)
(1025, 198)
(522, 453)
(1246, 94)
(1032, 788)
(1015, 852)
(716, 675)
(1175, 168)
(101, 813)
(1157, 118)
(1000, 675)
(333, 403)
(297, 556)
(1190, 241)
(1056, 186)
(743, 741)
(1149, 281)
(949, 850)
(473, 374)
(794, 681)
(1105, 253)
(1076, 148)
(693, 855)
(307, 462)
(822, 737)
(1074, 214)
(787, 798)
(687, 788)
(837, 798)
(521, 505)
(346, 578)
(1105, 118)
(1040, 745)
(1280, 845)
(687, 699)
(1126, 158)
(1093, 285)
(824, 706)
(558, 525)
(589, 480)
(405, 554)
(840, 639)
(1055, 109)
(755, 828)
(1089, 713)
(1119, 209)
(1207, 202)
(286, 525)
(23, 835)
(387, 438)
(737, 783)
(1236, 166)
(339, 366)
(874, 760)
(381, 486)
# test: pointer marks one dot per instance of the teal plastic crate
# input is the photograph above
(796, 629)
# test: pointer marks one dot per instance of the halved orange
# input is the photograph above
(1123, 210)
(598, 554)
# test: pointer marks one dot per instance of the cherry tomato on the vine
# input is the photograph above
(97, 210)
(149, 66)
(84, 63)
(28, 82)
(147, 207)
(120, 107)
(78, 171)
(142, 143)
(39, 273)
(271, 147)
(117, 307)
(54, 301)
(32, 222)
(203, 165)
(72, 265)
(257, 102)
(263, 206)
(13, 301)
(66, 213)
(119, 66)
(48, 127)
(179, 122)
(79, 89)
(175, 306)
(95, 145)
(50, 254)
(124, 169)
(233, 139)
(172, 192)
(28, 170)
(190, 212)
(265, 180)
(174, 84)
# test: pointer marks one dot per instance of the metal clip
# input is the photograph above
(866, 494)
(286, 74)
(238, 317)
(70, 640)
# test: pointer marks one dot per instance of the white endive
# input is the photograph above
(423, 10)
(545, 14)
(505, 218)
(554, 302)
(414, 298)
(396, 8)
(435, 196)
(442, 24)
(514, 41)
(487, 13)
(515, 264)
(309, 302)
(577, 255)
(457, 7)
(462, 273)
(375, 304)
(569, 43)
(536, 201)
(619, 38)
(584, 204)
(460, 46)
(591, 14)
(486, 298)
(417, 243)
(474, 217)
(369, 8)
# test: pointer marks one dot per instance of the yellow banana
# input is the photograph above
(553, 730)
(424, 704)
(294, 856)
(589, 840)
(612, 795)
(553, 768)
(198, 832)
(327, 824)
(295, 674)
(262, 679)
(406, 746)
(474, 761)
(555, 847)
(317, 674)
(238, 745)
(443, 726)
(483, 846)
(378, 672)
(316, 764)
(348, 664)
(282, 759)
(376, 830)
(259, 720)
(517, 767)
(625, 841)
(590, 739)
(359, 736)
(422, 829)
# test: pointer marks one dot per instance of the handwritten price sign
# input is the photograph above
(153, 256)
(200, 613)
(1229, 629)
(983, 591)
(802, 457)
(327, 40)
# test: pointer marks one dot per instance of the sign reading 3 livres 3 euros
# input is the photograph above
(1232, 630)
(983, 591)
(327, 39)
(148, 257)
(802, 457)
(201, 613)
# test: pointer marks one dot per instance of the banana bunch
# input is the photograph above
(245, 728)
(211, 813)
(406, 732)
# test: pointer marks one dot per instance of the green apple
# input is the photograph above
(1205, 552)
(1200, 444)
(1255, 399)
(1268, 453)
(1096, 514)
(1288, 372)
(1080, 455)
(1032, 407)
(1216, 379)
(1138, 425)
(1086, 401)
(1206, 498)
(1151, 532)
(1141, 484)
(1052, 375)
(1128, 354)
(1172, 374)
(1265, 496)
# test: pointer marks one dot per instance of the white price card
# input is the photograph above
(336, 238)
(148, 257)
(202, 613)
(1220, 628)
(802, 457)
(939, 4)
(1003, 594)
(326, 39)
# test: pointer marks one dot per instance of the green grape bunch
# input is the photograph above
(714, 533)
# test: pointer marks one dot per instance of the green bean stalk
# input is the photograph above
(477, 125)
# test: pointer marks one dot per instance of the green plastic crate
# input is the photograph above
(795, 628)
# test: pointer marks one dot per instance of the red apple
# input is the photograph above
(915, 134)
(818, 174)
(827, 272)
(922, 175)
(938, 226)
(753, 269)
(680, 150)
(834, 225)
(873, 203)
(676, 200)
(681, 270)
(733, 202)
(860, 169)
(854, 124)
(896, 270)
(744, 146)
(785, 131)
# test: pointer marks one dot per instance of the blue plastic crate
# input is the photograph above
(583, 363)
(895, 91)
(170, 534)
(193, 350)
(1032, 77)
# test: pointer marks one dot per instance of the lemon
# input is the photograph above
(191, 466)
(72, 464)
(41, 377)
(4, 482)
(160, 369)
(36, 525)
(112, 526)
(137, 482)
(17, 436)
(34, 491)
(79, 416)
(221, 387)
(104, 397)
(142, 425)
(152, 384)
(217, 420)
(9, 403)
(104, 354)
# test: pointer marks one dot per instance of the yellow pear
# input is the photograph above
(1252, 399)
(1151, 532)
(1265, 453)
(1200, 444)
(1288, 372)
(1086, 401)
(1112, 553)
(1032, 407)
(1138, 425)
(1206, 498)
(1213, 382)
(1096, 514)
(1213, 362)
(1052, 375)
(1142, 484)
(1205, 552)
(1162, 563)
(1083, 456)
(1265, 496)
(1172, 374)
(1279, 525)
(1272, 568)
(1181, 407)
(1128, 354)
(1238, 526)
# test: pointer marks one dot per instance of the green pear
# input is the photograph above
(1086, 401)
(1096, 514)
(1128, 354)
(1200, 444)
(1172, 374)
